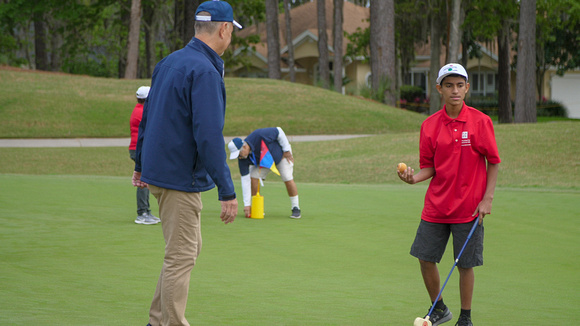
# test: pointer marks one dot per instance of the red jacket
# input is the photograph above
(134, 123)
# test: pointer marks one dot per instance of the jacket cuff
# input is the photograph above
(226, 198)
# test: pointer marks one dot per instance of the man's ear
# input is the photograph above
(438, 88)
(223, 28)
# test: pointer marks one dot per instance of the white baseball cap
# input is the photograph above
(451, 69)
(235, 145)
(143, 92)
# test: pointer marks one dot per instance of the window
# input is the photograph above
(418, 79)
(483, 84)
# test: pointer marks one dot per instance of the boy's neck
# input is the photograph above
(453, 110)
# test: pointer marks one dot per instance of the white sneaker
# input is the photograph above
(145, 219)
(154, 217)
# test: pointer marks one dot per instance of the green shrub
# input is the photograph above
(551, 108)
(413, 98)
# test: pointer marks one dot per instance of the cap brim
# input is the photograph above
(234, 155)
(237, 24)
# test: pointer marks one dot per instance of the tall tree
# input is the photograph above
(40, 51)
(454, 35)
(323, 62)
(486, 21)
(435, 39)
(382, 44)
(557, 38)
(525, 106)
(272, 32)
(190, 6)
(133, 41)
(337, 44)
(504, 74)
(291, 68)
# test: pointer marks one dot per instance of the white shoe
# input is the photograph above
(146, 219)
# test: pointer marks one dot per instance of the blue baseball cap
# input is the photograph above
(220, 11)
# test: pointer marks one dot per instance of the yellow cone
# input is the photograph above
(257, 210)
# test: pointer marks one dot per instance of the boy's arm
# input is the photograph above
(409, 177)
(484, 206)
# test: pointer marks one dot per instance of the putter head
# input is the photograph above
(422, 321)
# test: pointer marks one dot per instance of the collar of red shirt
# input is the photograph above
(462, 115)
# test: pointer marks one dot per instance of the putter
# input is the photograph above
(425, 321)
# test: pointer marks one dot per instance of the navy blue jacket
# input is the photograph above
(254, 140)
(181, 144)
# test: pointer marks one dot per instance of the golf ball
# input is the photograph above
(401, 167)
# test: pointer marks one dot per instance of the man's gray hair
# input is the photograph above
(202, 27)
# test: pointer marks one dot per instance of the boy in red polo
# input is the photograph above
(458, 152)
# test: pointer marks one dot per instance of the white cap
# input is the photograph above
(235, 145)
(451, 69)
(143, 92)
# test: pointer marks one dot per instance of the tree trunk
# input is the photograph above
(337, 44)
(148, 27)
(176, 36)
(382, 46)
(55, 41)
(273, 39)
(125, 14)
(190, 6)
(323, 69)
(525, 107)
(504, 100)
(291, 68)
(435, 99)
(41, 57)
(454, 32)
(133, 42)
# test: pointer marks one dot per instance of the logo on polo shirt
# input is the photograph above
(465, 141)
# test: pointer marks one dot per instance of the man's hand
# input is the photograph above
(229, 210)
(137, 180)
(288, 156)
(248, 211)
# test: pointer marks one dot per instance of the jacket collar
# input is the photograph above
(211, 55)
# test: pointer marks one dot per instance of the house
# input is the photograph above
(482, 71)
(305, 40)
(483, 78)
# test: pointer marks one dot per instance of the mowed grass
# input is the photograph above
(533, 155)
(71, 255)
(49, 105)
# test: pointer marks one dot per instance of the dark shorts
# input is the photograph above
(431, 240)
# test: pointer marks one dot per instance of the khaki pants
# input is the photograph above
(180, 214)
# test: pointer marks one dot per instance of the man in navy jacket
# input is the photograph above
(181, 152)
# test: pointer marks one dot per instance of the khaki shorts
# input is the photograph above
(285, 168)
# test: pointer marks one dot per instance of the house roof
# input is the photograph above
(305, 25)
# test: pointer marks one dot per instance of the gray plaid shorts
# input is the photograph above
(431, 241)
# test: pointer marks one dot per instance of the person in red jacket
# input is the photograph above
(458, 152)
(144, 215)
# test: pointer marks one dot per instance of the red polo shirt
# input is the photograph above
(134, 123)
(457, 149)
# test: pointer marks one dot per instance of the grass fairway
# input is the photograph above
(71, 255)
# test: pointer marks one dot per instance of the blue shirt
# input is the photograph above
(254, 140)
